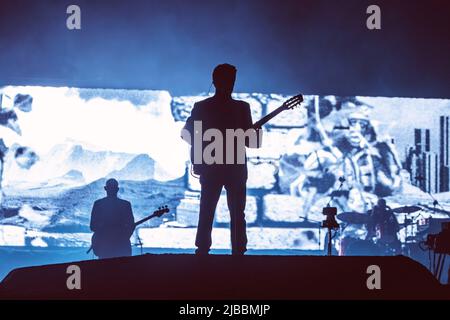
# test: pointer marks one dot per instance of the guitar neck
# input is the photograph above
(143, 220)
(268, 117)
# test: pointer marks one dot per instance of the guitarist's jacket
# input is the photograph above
(221, 114)
(112, 222)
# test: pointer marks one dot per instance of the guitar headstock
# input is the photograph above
(293, 102)
(161, 210)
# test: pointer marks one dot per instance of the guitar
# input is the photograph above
(289, 104)
(158, 213)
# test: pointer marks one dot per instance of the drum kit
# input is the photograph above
(384, 241)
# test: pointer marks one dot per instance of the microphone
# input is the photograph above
(341, 179)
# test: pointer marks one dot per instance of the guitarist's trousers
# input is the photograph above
(235, 186)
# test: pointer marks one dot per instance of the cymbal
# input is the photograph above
(353, 217)
(406, 209)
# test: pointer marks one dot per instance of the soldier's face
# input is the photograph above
(357, 130)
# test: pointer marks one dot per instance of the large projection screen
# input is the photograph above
(59, 145)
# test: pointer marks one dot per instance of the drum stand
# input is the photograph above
(139, 243)
(437, 268)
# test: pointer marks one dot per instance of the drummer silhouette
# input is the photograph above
(383, 226)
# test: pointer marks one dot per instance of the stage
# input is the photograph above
(225, 277)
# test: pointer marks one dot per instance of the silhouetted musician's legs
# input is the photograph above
(236, 197)
(210, 194)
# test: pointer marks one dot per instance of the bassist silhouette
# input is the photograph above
(112, 222)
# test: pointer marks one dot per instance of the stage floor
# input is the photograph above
(225, 277)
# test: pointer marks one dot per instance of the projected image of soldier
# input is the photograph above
(349, 148)
(370, 165)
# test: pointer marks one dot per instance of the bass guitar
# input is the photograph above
(95, 241)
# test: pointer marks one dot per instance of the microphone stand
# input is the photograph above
(341, 180)
(139, 242)
(435, 202)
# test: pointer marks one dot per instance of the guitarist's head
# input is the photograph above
(112, 187)
(224, 76)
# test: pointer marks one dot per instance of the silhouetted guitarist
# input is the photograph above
(112, 222)
(221, 113)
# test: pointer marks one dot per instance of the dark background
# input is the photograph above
(279, 46)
